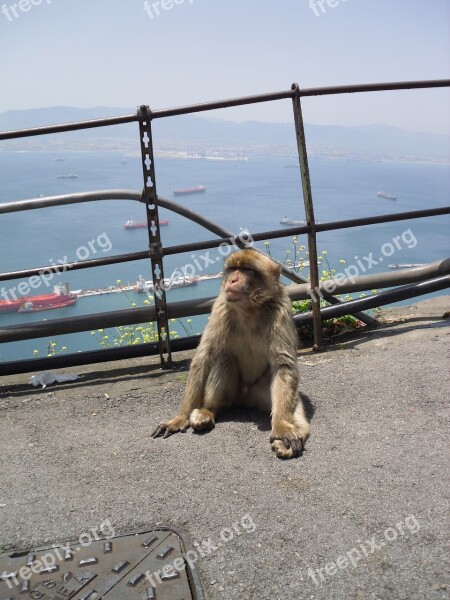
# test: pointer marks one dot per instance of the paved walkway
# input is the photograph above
(362, 514)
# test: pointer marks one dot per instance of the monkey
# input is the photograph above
(247, 356)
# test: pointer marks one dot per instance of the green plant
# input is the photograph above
(331, 327)
(130, 335)
(52, 349)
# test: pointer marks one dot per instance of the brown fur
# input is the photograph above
(247, 356)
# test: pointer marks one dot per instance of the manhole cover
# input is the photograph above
(146, 565)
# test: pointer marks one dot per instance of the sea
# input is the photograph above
(250, 195)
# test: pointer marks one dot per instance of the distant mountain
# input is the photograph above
(188, 131)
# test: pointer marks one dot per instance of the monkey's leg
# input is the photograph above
(221, 389)
(290, 429)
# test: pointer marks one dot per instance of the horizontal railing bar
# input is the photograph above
(90, 357)
(102, 195)
(200, 306)
(390, 217)
(374, 87)
(189, 343)
(217, 104)
(380, 299)
(209, 244)
(129, 316)
(45, 130)
(362, 283)
(65, 199)
(48, 270)
(301, 230)
(320, 91)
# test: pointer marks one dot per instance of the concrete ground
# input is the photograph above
(362, 514)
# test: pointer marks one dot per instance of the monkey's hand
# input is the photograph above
(287, 440)
(178, 423)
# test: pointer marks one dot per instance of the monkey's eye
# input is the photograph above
(234, 269)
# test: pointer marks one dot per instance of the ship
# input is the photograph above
(71, 175)
(196, 189)
(60, 295)
(32, 306)
(405, 266)
(130, 224)
(299, 264)
(287, 221)
(147, 286)
(386, 196)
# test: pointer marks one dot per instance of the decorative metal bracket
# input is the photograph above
(155, 246)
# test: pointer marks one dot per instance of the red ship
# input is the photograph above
(130, 224)
(29, 306)
(60, 297)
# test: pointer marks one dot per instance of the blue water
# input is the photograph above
(250, 195)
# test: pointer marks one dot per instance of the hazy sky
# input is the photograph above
(167, 53)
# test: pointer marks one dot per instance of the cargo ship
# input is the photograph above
(197, 189)
(69, 176)
(147, 286)
(130, 224)
(57, 299)
(287, 221)
(386, 196)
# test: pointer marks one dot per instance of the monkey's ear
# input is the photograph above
(276, 271)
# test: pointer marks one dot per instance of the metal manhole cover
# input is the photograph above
(146, 565)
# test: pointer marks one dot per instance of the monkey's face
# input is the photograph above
(239, 283)
(250, 278)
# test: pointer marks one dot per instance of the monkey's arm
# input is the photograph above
(193, 398)
(284, 403)
(290, 428)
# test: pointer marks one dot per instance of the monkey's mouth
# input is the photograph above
(233, 295)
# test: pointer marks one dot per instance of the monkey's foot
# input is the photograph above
(287, 440)
(179, 423)
(201, 419)
(281, 450)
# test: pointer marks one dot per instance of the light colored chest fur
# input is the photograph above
(249, 345)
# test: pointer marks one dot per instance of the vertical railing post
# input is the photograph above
(155, 245)
(309, 212)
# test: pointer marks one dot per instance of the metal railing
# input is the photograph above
(436, 277)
